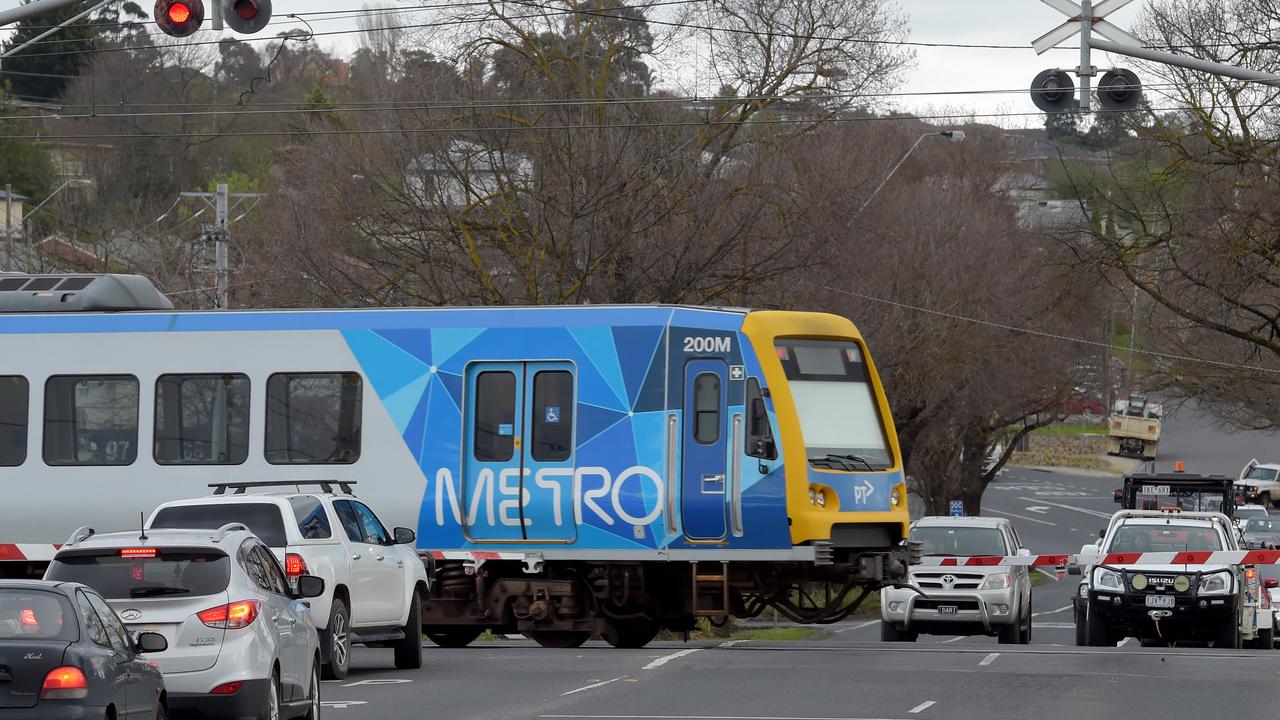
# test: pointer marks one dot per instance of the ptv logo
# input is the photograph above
(862, 493)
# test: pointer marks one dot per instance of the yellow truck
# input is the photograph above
(1134, 427)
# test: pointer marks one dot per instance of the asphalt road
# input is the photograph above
(832, 679)
(1199, 441)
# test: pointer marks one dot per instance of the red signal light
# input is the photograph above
(246, 9)
(179, 13)
(179, 18)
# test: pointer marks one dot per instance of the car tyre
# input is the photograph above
(631, 634)
(1010, 634)
(1228, 636)
(1096, 634)
(559, 638)
(338, 635)
(409, 650)
(271, 711)
(1025, 635)
(890, 633)
(1266, 639)
(313, 695)
(161, 712)
(455, 638)
(1264, 499)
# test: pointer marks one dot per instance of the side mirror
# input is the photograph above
(309, 586)
(149, 642)
(1270, 582)
(762, 445)
(1102, 533)
(1073, 569)
(404, 536)
(1024, 552)
(1119, 495)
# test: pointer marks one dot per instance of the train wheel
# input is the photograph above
(631, 633)
(455, 638)
(559, 638)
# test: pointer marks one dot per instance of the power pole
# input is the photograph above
(219, 233)
(8, 226)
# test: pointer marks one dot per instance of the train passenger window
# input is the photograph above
(552, 416)
(91, 420)
(313, 418)
(202, 419)
(15, 397)
(706, 408)
(495, 416)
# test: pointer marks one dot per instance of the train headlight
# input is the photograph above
(1139, 581)
(822, 499)
(895, 497)
(813, 496)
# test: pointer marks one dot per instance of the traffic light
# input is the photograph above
(1053, 91)
(179, 18)
(247, 16)
(1119, 89)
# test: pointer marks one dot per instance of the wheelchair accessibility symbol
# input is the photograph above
(553, 414)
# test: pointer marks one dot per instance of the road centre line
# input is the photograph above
(859, 626)
(1086, 511)
(591, 686)
(954, 639)
(1064, 608)
(659, 662)
(1021, 517)
(989, 659)
(922, 707)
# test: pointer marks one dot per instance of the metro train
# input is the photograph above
(609, 469)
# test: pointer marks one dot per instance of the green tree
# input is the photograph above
(23, 163)
(1064, 126)
(42, 71)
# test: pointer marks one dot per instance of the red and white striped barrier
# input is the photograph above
(31, 552)
(1221, 557)
(474, 555)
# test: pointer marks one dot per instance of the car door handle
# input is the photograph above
(355, 556)
(380, 558)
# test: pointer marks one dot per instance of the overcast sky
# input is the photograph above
(997, 22)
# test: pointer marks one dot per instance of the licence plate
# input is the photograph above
(948, 609)
(1161, 601)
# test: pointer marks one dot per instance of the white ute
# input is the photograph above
(375, 583)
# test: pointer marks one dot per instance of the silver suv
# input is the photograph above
(992, 600)
(241, 643)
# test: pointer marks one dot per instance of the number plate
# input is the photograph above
(948, 609)
(1160, 601)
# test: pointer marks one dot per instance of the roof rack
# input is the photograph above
(325, 485)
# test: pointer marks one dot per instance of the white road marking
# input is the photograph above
(1075, 529)
(954, 639)
(341, 704)
(378, 681)
(702, 717)
(1038, 509)
(730, 643)
(1123, 642)
(1064, 608)
(922, 707)
(1052, 576)
(859, 626)
(989, 659)
(1064, 506)
(1056, 625)
(659, 662)
(589, 687)
(1021, 517)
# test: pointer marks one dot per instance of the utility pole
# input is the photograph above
(219, 233)
(8, 226)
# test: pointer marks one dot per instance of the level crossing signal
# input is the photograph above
(180, 18)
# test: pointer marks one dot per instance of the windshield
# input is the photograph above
(831, 386)
(1164, 538)
(959, 541)
(263, 519)
(1262, 525)
(1189, 500)
(1261, 473)
(171, 572)
(35, 615)
(1256, 512)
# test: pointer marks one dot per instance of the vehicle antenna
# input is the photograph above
(142, 525)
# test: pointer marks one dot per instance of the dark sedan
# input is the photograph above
(1261, 533)
(65, 654)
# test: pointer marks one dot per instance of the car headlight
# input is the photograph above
(1218, 583)
(1104, 579)
(1139, 581)
(1182, 583)
(999, 581)
(1084, 591)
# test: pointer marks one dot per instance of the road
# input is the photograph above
(1196, 439)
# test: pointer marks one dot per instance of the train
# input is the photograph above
(610, 468)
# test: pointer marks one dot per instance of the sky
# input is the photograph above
(997, 22)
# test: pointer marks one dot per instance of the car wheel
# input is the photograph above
(1010, 634)
(559, 638)
(890, 633)
(1025, 639)
(1096, 633)
(161, 712)
(409, 650)
(272, 709)
(456, 638)
(313, 695)
(339, 635)
(1228, 636)
(631, 633)
(1264, 499)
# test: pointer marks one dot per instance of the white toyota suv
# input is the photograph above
(374, 581)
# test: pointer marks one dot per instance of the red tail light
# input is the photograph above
(64, 683)
(231, 616)
(27, 618)
(294, 565)
(141, 552)
(230, 688)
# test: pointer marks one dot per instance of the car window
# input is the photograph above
(167, 572)
(1261, 473)
(373, 529)
(93, 627)
(263, 519)
(313, 521)
(271, 570)
(115, 629)
(252, 564)
(959, 541)
(1164, 538)
(350, 522)
(29, 614)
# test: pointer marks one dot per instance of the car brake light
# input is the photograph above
(64, 683)
(1251, 572)
(230, 688)
(142, 552)
(294, 565)
(231, 616)
(28, 618)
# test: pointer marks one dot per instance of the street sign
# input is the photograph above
(1073, 25)
(957, 508)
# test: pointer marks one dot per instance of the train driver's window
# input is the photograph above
(91, 420)
(313, 418)
(15, 396)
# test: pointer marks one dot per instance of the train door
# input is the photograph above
(704, 459)
(519, 422)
